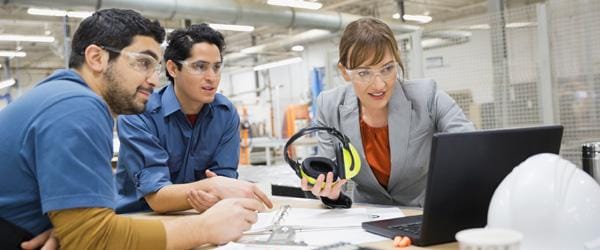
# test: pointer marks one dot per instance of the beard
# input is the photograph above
(119, 100)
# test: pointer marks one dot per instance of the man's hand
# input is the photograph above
(201, 200)
(327, 189)
(45, 240)
(224, 187)
(210, 173)
(229, 218)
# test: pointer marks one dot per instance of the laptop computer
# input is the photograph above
(464, 170)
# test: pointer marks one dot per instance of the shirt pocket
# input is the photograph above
(175, 163)
(201, 162)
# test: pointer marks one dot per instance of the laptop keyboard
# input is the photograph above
(413, 228)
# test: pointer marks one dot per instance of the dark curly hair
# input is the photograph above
(111, 28)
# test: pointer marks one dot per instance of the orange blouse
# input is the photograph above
(377, 151)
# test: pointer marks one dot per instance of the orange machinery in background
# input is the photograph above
(296, 117)
(244, 140)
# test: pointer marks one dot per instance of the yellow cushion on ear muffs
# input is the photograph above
(311, 180)
(312, 167)
(351, 168)
(346, 164)
(350, 157)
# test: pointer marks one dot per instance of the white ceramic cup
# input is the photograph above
(489, 239)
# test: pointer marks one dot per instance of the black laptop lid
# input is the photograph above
(465, 169)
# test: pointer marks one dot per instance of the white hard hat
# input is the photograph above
(551, 202)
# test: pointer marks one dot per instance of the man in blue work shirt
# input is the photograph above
(188, 132)
(56, 146)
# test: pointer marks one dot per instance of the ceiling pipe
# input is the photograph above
(230, 12)
(226, 11)
(445, 37)
(448, 34)
(305, 37)
(234, 12)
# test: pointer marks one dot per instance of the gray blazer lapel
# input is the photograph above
(399, 115)
(349, 116)
(349, 121)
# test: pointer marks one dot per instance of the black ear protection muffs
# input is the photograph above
(345, 166)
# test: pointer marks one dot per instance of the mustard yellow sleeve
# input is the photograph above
(101, 228)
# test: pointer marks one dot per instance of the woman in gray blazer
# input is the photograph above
(390, 121)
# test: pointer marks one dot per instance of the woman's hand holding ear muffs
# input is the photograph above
(324, 186)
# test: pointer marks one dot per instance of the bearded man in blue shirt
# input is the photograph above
(56, 146)
(187, 133)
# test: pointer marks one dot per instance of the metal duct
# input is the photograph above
(434, 40)
(304, 37)
(448, 34)
(226, 11)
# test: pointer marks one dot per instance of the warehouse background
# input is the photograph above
(506, 63)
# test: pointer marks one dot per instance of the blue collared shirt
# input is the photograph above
(55, 150)
(160, 147)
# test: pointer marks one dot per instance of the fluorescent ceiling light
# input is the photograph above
(508, 25)
(7, 83)
(22, 38)
(79, 14)
(231, 27)
(46, 12)
(418, 18)
(8, 53)
(415, 18)
(298, 48)
(55, 12)
(278, 63)
(296, 4)
(479, 27)
(251, 50)
(519, 24)
(308, 35)
(428, 43)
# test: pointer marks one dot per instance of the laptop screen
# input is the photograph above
(464, 171)
(466, 168)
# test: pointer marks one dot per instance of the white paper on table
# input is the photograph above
(241, 246)
(319, 227)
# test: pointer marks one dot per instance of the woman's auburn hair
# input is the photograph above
(365, 39)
